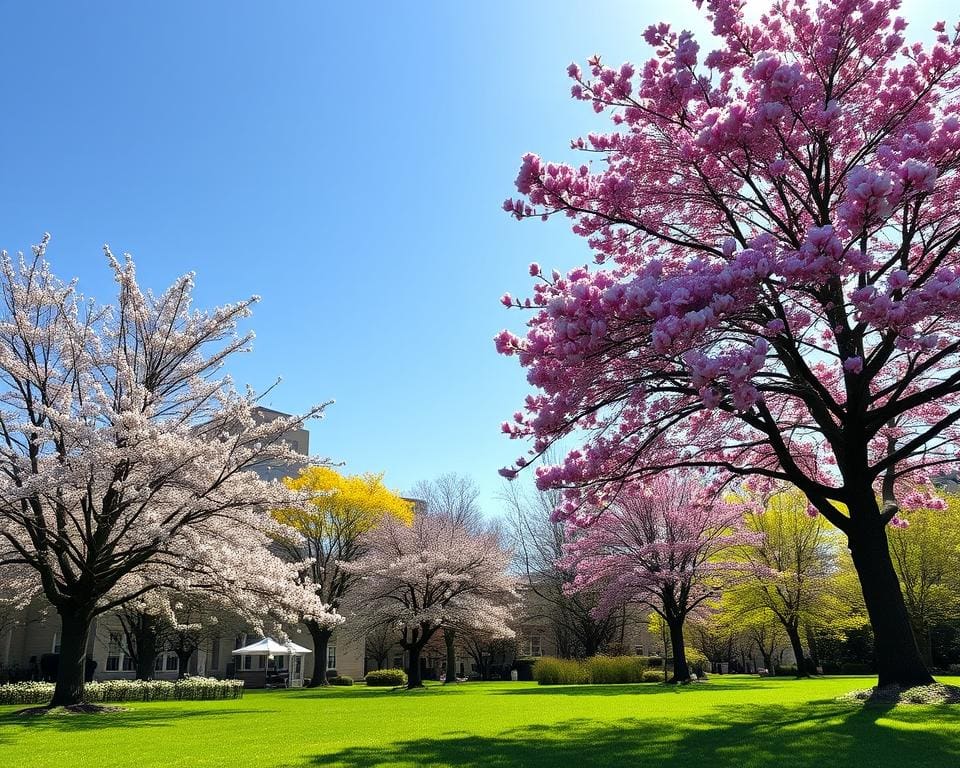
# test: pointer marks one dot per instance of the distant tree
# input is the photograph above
(539, 544)
(483, 646)
(329, 532)
(436, 572)
(926, 556)
(191, 624)
(666, 545)
(142, 623)
(795, 559)
(126, 456)
(457, 497)
(378, 643)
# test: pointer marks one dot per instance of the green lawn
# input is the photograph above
(727, 723)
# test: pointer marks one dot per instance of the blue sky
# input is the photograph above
(346, 162)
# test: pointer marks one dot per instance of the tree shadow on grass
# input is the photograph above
(153, 717)
(629, 689)
(745, 736)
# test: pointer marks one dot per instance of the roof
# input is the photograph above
(269, 646)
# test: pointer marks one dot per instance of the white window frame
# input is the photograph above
(528, 645)
(116, 651)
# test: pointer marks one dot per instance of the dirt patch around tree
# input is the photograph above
(73, 709)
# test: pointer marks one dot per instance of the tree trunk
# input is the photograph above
(793, 633)
(74, 631)
(321, 639)
(146, 651)
(183, 662)
(895, 647)
(812, 646)
(681, 672)
(414, 675)
(449, 638)
(767, 661)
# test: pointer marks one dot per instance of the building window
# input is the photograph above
(247, 662)
(55, 646)
(116, 658)
(532, 646)
(331, 657)
(638, 650)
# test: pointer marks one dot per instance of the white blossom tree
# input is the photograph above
(125, 454)
(434, 573)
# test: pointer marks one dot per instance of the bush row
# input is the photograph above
(341, 680)
(386, 677)
(190, 688)
(598, 670)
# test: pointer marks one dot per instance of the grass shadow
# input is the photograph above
(625, 689)
(137, 717)
(744, 736)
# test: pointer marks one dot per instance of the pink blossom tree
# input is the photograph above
(437, 572)
(125, 456)
(776, 227)
(665, 545)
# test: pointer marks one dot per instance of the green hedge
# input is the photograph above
(551, 671)
(341, 680)
(599, 670)
(386, 677)
(616, 669)
(190, 688)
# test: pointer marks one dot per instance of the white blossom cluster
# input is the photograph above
(126, 453)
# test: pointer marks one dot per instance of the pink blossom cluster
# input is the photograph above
(667, 544)
(780, 256)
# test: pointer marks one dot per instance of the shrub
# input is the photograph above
(552, 671)
(616, 669)
(785, 671)
(652, 676)
(599, 670)
(341, 680)
(697, 661)
(386, 677)
(190, 688)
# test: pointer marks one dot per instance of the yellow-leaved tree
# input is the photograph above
(342, 509)
(926, 557)
(795, 563)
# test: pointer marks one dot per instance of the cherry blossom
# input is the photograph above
(775, 228)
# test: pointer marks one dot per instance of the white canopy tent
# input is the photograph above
(271, 648)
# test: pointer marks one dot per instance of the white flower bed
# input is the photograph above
(190, 688)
